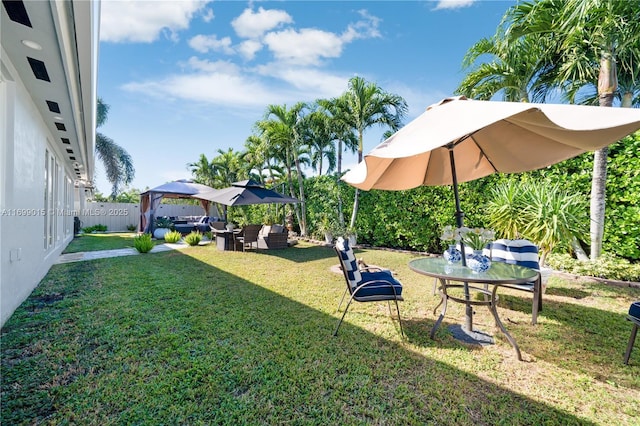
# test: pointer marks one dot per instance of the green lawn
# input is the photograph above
(199, 336)
(101, 241)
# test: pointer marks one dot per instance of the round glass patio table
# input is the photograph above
(456, 276)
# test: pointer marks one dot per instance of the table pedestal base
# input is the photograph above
(490, 302)
(474, 337)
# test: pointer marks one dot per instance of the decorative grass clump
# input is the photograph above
(193, 239)
(203, 336)
(94, 228)
(143, 243)
(172, 237)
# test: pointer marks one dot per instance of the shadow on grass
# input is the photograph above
(300, 253)
(567, 292)
(173, 338)
(584, 339)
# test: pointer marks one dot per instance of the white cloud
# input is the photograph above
(308, 46)
(304, 47)
(224, 84)
(143, 21)
(365, 28)
(249, 48)
(308, 83)
(225, 67)
(204, 44)
(207, 15)
(293, 75)
(453, 4)
(216, 83)
(254, 25)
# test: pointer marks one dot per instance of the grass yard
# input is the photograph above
(200, 336)
(101, 241)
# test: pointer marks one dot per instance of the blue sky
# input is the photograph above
(185, 78)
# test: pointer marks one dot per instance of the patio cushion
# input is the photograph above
(373, 288)
(634, 310)
(277, 228)
(350, 262)
(515, 252)
(264, 231)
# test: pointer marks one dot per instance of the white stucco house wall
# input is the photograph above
(48, 79)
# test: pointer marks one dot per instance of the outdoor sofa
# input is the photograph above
(273, 237)
(187, 224)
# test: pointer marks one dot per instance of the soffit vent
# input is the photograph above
(17, 12)
(65, 141)
(39, 69)
(70, 151)
(61, 127)
(72, 158)
(53, 107)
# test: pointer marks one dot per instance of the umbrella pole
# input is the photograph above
(460, 223)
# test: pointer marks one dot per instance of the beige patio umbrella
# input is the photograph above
(483, 137)
(459, 140)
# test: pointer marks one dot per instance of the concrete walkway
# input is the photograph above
(102, 254)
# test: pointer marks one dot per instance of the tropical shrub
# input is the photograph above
(606, 266)
(164, 222)
(193, 239)
(143, 243)
(172, 237)
(131, 227)
(538, 211)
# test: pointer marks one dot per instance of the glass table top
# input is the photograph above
(499, 272)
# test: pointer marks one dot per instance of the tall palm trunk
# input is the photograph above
(338, 175)
(607, 87)
(356, 197)
(303, 210)
(296, 208)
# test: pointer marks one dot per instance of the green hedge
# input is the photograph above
(413, 219)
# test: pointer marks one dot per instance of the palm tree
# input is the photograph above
(513, 70)
(117, 162)
(319, 138)
(255, 156)
(335, 108)
(595, 40)
(203, 170)
(283, 128)
(364, 105)
(229, 168)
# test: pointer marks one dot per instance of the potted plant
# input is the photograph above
(163, 225)
(351, 235)
(328, 228)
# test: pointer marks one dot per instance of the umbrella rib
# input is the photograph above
(482, 153)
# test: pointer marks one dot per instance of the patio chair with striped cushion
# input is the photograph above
(523, 253)
(370, 284)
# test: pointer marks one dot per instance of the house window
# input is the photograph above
(56, 203)
(51, 169)
(67, 218)
(46, 198)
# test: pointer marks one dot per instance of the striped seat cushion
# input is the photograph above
(349, 262)
(634, 310)
(515, 252)
(379, 285)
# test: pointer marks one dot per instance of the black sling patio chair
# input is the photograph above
(366, 285)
